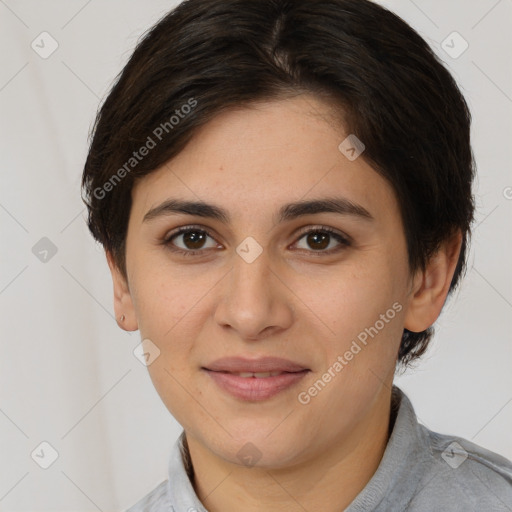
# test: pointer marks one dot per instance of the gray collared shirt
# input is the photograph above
(420, 471)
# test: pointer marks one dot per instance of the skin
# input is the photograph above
(291, 301)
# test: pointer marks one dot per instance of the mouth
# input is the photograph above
(257, 375)
(259, 365)
(257, 379)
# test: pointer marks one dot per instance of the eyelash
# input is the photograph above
(344, 241)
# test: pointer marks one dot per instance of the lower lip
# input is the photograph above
(254, 388)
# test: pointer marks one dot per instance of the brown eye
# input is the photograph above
(318, 241)
(189, 240)
(194, 239)
(321, 241)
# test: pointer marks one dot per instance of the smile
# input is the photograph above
(255, 386)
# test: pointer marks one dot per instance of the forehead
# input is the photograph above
(265, 156)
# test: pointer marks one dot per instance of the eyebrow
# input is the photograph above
(290, 211)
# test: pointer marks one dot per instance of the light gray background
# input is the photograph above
(67, 372)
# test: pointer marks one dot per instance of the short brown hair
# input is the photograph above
(398, 98)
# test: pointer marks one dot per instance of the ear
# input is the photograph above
(430, 287)
(123, 304)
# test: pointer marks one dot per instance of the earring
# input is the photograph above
(122, 318)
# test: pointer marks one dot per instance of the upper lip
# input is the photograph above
(260, 365)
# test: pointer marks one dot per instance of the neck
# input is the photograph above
(328, 482)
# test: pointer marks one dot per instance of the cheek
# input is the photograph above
(162, 298)
(169, 304)
(364, 312)
(179, 396)
(349, 300)
(168, 309)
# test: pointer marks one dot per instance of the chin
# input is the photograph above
(256, 448)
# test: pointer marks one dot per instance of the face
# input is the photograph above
(325, 290)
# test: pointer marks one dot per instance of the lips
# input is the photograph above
(257, 379)
(261, 365)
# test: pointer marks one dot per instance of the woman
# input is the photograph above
(283, 191)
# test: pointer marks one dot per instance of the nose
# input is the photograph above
(254, 301)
